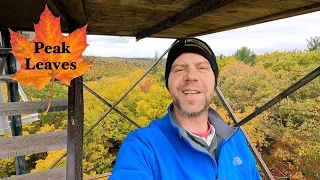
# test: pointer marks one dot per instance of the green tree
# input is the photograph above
(246, 55)
(156, 55)
(158, 70)
(221, 56)
(314, 43)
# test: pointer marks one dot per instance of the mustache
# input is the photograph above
(190, 84)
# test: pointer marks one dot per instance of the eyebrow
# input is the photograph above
(182, 65)
(197, 64)
(203, 62)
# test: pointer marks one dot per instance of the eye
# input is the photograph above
(178, 69)
(203, 68)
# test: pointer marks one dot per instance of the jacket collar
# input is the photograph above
(223, 130)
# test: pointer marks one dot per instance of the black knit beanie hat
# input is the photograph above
(191, 45)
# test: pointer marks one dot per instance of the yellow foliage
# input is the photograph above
(4, 91)
(253, 128)
(245, 87)
(6, 167)
(225, 61)
(298, 175)
(44, 164)
(46, 128)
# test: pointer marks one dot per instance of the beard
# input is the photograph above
(186, 107)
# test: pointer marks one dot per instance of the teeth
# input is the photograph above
(191, 92)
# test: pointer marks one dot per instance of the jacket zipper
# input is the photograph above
(213, 161)
(222, 143)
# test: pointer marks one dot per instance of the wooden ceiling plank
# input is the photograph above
(193, 12)
(154, 5)
(99, 15)
(280, 4)
(20, 15)
(226, 16)
(284, 14)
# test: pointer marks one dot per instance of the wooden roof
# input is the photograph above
(153, 18)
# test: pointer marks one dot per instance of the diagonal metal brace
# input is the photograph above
(253, 149)
(309, 77)
(109, 104)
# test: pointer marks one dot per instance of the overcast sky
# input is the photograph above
(282, 35)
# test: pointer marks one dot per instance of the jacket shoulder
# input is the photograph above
(144, 133)
(137, 150)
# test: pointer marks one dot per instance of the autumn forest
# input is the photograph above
(287, 135)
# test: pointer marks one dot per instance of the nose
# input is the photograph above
(191, 74)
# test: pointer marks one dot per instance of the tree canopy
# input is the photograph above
(287, 135)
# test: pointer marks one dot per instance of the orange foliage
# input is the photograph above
(145, 85)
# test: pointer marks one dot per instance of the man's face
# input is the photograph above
(191, 84)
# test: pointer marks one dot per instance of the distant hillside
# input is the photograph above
(113, 66)
(134, 58)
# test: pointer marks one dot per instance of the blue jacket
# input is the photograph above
(162, 151)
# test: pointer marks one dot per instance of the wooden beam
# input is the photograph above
(30, 107)
(70, 7)
(75, 129)
(71, 19)
(188, 14)
(52, 174)
(98, 176)
(4, 52)
(32, 144)
(285, 14)
(55, 7)
(5, 78)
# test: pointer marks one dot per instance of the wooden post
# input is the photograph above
(13, 96)
(75, 130)
(75, 127)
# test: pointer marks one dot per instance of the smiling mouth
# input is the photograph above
(191, 92)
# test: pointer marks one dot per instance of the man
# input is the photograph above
(191, 141)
